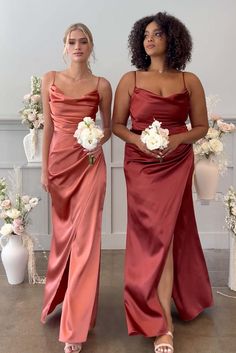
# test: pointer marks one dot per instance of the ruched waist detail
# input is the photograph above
(65, 131)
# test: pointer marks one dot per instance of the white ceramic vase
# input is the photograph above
(33, 145)
(232, 262)
(14, 258)
(206, 178)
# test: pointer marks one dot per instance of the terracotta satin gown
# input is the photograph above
(77, 192)
(160, 208)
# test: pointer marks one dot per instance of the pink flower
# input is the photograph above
(225, 127)
(214, 117)
(18, 227)
(6, 204)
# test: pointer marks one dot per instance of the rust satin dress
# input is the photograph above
(160, 208)
(77, 192)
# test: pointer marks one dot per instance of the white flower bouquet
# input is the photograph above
(14, 213)
(230, 203)
(211, 146)
(32, 113)
(155, 137)
(88, 135)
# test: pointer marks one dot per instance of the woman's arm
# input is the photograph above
(121, 113)
(48, 127)
(105, 94)
(198, 116)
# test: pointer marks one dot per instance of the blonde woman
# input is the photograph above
(77, 189)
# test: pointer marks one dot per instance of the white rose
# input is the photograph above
(216, 146)
(212, 133)
(205, 147)
(13, 213)
(6, 229)
(154, 142)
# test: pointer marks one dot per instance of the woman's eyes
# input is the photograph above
(83, 41)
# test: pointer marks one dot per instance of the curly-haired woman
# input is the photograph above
(164, 258)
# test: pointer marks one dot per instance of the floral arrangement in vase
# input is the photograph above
(210, 160)
(211, 146)
(32, 116)
(17, 245)
(32, 113)
(14, 213)
(230, 204)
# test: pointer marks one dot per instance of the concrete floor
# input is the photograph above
(214, 331)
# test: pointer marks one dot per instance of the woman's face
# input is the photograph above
(78, 47)
(154, 41)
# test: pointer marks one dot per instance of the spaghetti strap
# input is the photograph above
(184, 81)
(98, 83)
(54, 76)
(135, 78)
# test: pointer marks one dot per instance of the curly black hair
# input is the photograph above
(179, 41)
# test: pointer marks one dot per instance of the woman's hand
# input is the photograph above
(144, 149)
(174, 142)
(44, 181)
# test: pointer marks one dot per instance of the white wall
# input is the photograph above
(31, 35)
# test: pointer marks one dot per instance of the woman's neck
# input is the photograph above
(158, 65)
(79, 71)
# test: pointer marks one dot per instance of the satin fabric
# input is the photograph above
(77, 191)
(160, 208)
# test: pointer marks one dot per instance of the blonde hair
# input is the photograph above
(83, 28)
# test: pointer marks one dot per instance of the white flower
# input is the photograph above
(27, 97)
(13, 213)
(25, 198)
(156, 124)
(28, 207)
(212, 133)
(33, 202)
(88, 120)
(32, 117)
(155, 137)
(6, 229)
(205, 147)
(88, 134)
(216, 146)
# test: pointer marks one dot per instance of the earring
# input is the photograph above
(146, 57)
